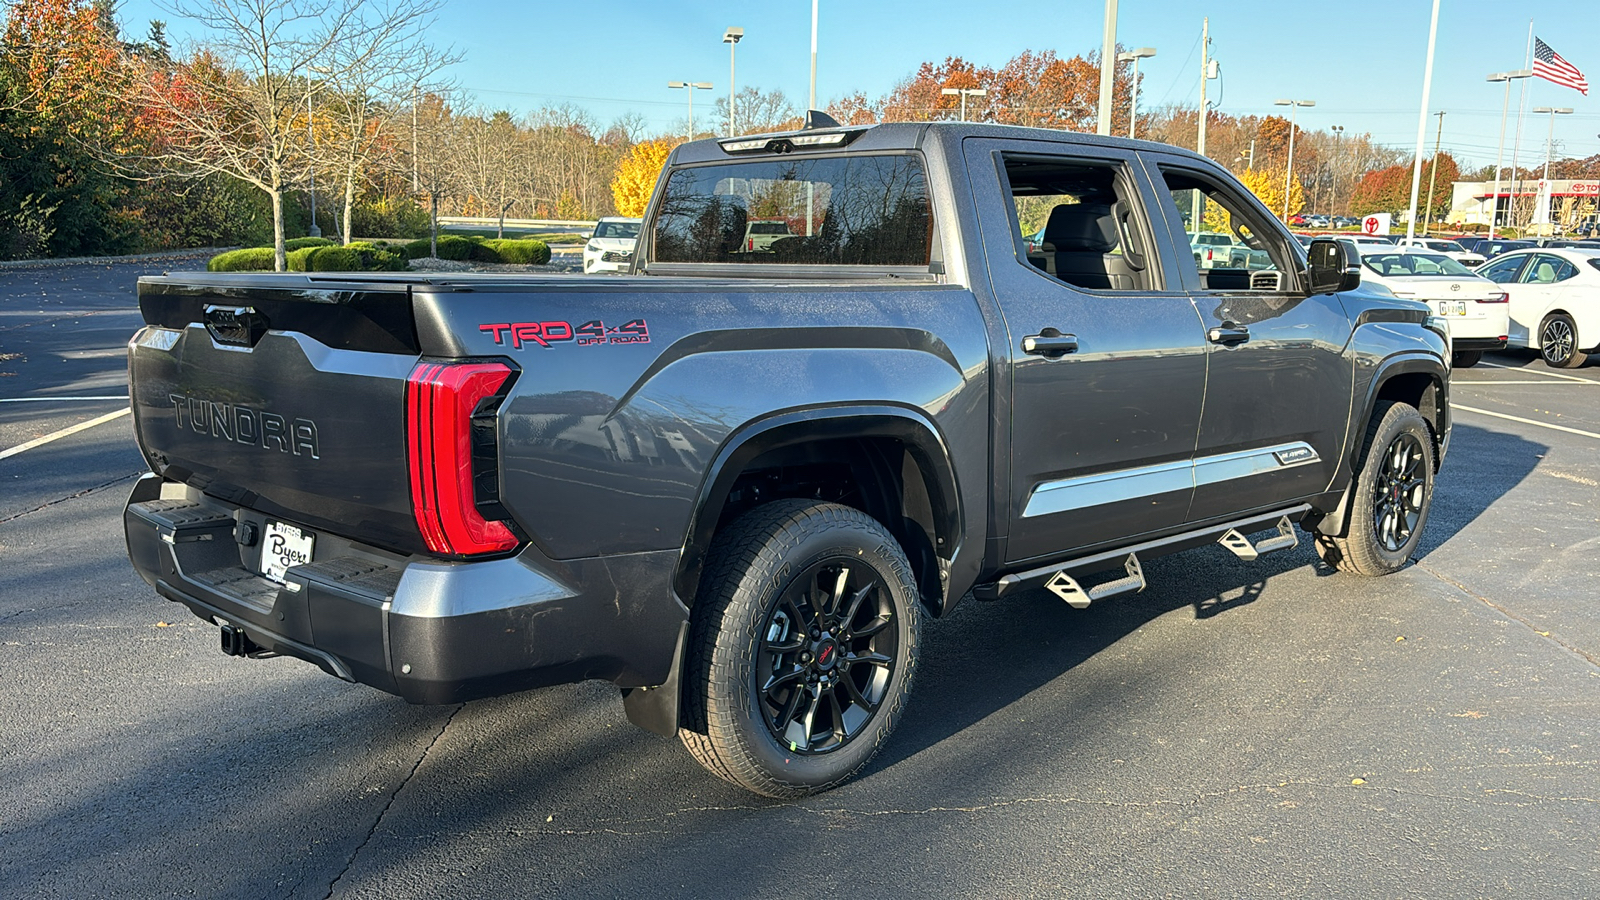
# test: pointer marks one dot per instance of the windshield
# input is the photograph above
(617, 230)
(1424, 264)
(1444, 246)
(839, 210)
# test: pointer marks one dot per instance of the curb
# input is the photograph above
(136, 257)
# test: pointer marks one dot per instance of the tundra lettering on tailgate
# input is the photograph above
(589, 334)
(244, 425)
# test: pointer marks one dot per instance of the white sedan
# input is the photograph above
(610, 248)
(1555, 301)
(1449, 248)
(1474, 307)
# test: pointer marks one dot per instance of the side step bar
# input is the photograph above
(1067, 588)
(1285, 539)
(1063, 578)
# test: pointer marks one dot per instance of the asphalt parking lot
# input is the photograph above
(1236, 730)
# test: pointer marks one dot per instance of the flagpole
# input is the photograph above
(1422, 126)
(1516, 146)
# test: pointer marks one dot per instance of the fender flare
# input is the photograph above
(1410, 362)
(914, 428)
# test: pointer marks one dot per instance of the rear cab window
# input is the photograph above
(869, 210)
(1083, 223)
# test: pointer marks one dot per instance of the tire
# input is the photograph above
(1393, 492)
(785, 692)
(1558, 342)
(1465, 359)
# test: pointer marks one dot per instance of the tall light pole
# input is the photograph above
(1550, 137)
(965, 93)
(1288, 175)
(691, 87)
(1549, 144)
(1108, 69)
(731, 37)
(1422, 124)
(812, 103)
(311, 140)
(1333, 180)
(1134, 56)
(1500, 155)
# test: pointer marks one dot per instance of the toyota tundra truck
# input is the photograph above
(736, 485)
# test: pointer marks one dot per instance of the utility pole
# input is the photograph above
(1433, 176)
(1197, 200)
(1251, 162)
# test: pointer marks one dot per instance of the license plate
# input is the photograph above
(283, 546)
(1452, 307)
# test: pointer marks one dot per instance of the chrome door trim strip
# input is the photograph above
(1088, 491)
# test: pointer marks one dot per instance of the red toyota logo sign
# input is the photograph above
(1370, 225)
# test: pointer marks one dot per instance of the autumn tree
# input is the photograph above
(235, 106)
(488, 145)
(759, 112)
(364, 82)
(637, 174)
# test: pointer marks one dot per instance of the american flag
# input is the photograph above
(1549, 65)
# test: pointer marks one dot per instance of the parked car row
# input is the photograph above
(1525, 296)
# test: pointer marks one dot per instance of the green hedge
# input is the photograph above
(360, 256)
(301, 243)
(250, 259)
(522, 252)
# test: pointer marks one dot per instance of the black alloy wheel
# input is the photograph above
(827, 656)
(1397, 505)
(802, 648)
(1390, 495)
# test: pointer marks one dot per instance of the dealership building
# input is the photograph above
(1563, 204)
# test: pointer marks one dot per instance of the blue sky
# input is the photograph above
(1361, 60)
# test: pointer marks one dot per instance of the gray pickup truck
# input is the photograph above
(736, 483)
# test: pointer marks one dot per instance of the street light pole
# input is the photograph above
(965, 93)
(691, 87)
(1500, 155)
(1549, 146)
(311, 140)
(1333, 181)
(812, 103)
(1134, 56)
(731, 37)
(1108, 69)
(1288, 175)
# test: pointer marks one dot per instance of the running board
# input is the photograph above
(1078, 597)
(1285, 539)
(1111, 559)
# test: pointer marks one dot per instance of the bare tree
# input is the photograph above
(368, 80)
(236, 106)
(432, 161)
(758, 112)
(485, 170)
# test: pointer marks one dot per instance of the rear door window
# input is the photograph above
(1502, 271)
(830, 211)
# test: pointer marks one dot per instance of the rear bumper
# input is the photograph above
(1472, 343)
(431, 631)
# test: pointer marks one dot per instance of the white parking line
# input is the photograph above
(1456, 383)
(1537, 372)
(1485, 412)
(54, 399)
(65, 432)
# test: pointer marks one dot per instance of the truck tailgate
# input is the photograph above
(290, 402)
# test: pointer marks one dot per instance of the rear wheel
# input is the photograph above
(1465, 359)
(1558, 342)
(1392, 494)
(803, 644)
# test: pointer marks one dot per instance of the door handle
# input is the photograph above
(1228, 334)
(1050, 343)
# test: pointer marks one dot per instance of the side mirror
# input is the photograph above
(1334, 268)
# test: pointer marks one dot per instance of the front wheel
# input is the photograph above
(1558, 342)
(803, 644)
(1392, 494)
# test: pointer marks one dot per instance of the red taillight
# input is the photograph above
(1501, 297)
(440, 400)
